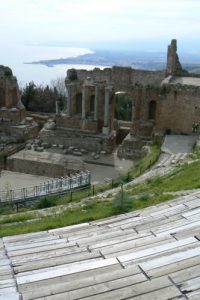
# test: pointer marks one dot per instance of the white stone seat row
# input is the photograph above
(154, 252)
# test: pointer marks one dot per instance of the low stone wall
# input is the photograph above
(79, 139)
(76, 123)
(43, 164)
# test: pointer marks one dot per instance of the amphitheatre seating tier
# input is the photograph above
(150, 253)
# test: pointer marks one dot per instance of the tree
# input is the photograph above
(123, 107)
(121, 201)
(28, 93)
(39, 98)
(59, 87)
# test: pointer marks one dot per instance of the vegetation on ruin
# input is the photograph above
(8, 73)
(123, 107)
(43, 98)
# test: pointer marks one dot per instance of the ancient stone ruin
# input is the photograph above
(162, 102)
(11, 107)
(15, 126)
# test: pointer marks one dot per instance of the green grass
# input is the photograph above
(185, 177)
(93, 211)
(145, 163)
(155, 190)
(16, 218)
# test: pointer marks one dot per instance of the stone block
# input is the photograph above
(84, 151)
(39, 149)
(46, 145)
(77, 153)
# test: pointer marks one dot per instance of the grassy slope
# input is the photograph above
(153, 191)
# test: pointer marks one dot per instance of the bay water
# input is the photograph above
(17, 55)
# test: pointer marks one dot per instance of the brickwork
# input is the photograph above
(162, 100)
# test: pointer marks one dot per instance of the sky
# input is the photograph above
(143, 22)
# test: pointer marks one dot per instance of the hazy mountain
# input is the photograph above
(128, 58)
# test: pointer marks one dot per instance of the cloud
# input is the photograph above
(45, 20)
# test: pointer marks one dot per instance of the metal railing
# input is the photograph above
(54, 186)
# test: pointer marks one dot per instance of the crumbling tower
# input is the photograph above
(173, 67)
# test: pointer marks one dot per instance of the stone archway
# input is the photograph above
(152, 110)
(92, 103)
(123, 106)
(78, 103)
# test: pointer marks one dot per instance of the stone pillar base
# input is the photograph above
(105, 130)
(83, 125)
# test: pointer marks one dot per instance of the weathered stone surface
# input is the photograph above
(173, 64)
(10, 102)
(44, 163)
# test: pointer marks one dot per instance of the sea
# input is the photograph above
(16, 56)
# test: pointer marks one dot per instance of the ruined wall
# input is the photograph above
(122, 78)
(9, 91)
(179, 109)
(173, 67)
(11, 107)
(176, 108)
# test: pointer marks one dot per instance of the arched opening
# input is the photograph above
(123, 115)
(78, 104)
(2, 98)
(152, 110)
(123, 106)
(91, 103)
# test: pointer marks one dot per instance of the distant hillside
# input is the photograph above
(138, 60)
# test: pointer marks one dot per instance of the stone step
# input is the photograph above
(132, 248)
(48, 254)
(186, 274)
(138, 290)
(29, 245)
(56, 261)
(161, 249)
(88, 286)
(49, 247)
(10, 296)
(59, 271)
(75, 280)
(158, 265)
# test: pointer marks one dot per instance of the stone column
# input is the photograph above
(57, 107)
(106, 111)
(83, 101)
(133, 111)
(8, 103)
(96, 99)
(69, 100)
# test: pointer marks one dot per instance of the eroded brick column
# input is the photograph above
(83, 101)
(106, 111)
(69, 100)
(96, 99)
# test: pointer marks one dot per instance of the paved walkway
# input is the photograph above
(174, 144)
(14, 180)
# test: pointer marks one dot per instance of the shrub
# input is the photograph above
(121, 202)
(45, 203)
